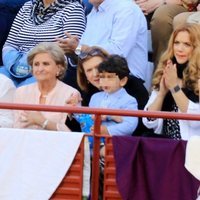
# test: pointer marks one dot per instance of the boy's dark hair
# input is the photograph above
(115, 64)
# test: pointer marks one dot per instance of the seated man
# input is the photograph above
(117, 26)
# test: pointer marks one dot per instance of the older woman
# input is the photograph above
(175, 84)
(48, 66)
(39, 21)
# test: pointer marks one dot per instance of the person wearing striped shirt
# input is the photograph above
(39, 21)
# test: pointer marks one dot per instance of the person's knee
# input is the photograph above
(161, 17)
(180, 19)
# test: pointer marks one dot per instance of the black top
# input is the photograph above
(136, 88)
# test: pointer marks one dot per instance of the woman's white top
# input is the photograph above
(188, 128)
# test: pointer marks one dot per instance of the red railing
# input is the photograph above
(98, 112)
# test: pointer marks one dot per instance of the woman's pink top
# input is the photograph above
(30, 94)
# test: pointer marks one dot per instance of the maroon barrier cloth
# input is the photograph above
(152, 169)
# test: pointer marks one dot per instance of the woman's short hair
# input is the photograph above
(56, 53)
(192, 73)
(84, 56)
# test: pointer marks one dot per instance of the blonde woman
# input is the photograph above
(175, 84)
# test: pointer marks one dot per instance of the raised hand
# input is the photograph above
(69, 44)
(74, 100)
(170, 75)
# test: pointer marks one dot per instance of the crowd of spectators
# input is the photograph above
(95, 53)
(76, 27)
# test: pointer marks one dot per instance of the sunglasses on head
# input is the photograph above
(94, 52)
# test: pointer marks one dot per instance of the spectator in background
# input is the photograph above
(175, 84)
(39, 21)
(163, 17)
(7, 90)
(160, 14)
(120, 28)
(187, 17)
(8, 11)
(48, 66)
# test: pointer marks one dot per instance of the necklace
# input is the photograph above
(44, 96)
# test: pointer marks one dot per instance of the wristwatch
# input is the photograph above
(78, 50)
(175, 89)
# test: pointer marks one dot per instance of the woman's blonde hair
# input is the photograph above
(192, 73)
(88, 54)
(56, 53)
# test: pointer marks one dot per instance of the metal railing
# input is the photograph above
(98, 112)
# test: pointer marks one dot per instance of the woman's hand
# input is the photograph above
(69, 44)
(170, 75)
(74, 100)
(163, 89)
(29, 118)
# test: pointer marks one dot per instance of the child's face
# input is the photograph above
(110, 82)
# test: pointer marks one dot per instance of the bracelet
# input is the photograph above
(44, 125)
(175, 89)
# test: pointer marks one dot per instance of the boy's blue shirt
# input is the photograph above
(117, 100)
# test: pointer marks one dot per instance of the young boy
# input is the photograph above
(113, 76)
